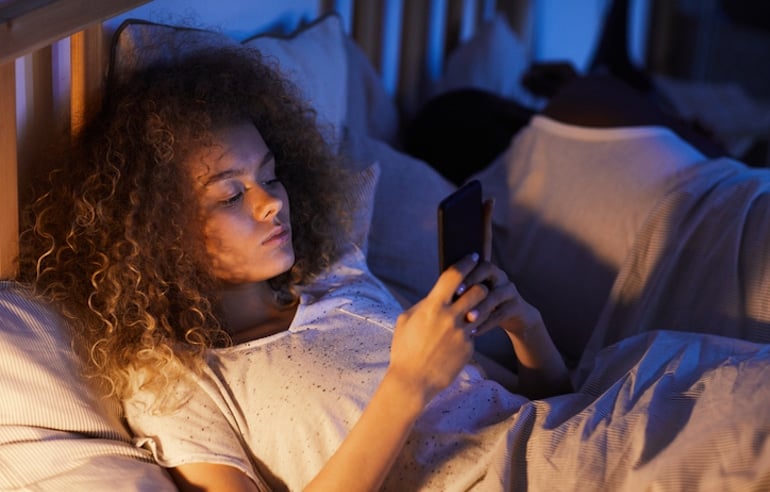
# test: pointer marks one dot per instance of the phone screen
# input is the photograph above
(460, 225)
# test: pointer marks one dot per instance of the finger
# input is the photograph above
(488, 274)
(486, 324)
(471, 298)
(504, 293)
(483, 328)
(473, 324)
(451, 282)
(489, 205)
(498, 304)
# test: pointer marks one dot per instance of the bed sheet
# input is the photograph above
(660, 411)
(700, 263)
(672, 388)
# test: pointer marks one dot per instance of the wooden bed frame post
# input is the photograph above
(29, 29)
(9, 209)
(46, 117)
(88, 60)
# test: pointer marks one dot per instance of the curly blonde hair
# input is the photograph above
(116, 241)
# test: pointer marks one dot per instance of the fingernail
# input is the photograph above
(474, 331)
(475, 257)
(472, 316)
(460, 290)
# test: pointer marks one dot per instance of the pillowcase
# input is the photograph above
(403, 236)
(314, 58)
(493, 59)
(138, 43)
(55, 433)
(360, 199)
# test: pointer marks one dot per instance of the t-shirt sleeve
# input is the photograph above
(193, 429)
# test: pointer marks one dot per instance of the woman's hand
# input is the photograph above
(431, 344)
(542, 371)
(432, 340)
(541, 368)
(502, 306)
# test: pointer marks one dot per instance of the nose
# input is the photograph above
(264, 205)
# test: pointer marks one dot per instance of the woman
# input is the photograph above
(197, 237)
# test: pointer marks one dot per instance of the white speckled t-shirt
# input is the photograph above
(283, 404)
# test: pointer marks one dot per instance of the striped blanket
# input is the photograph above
(674, 385)
(701, 262)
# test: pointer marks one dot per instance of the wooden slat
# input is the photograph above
(9, 211)
(413, 73)
(36, 127)
(390, 41)
(460, 23)
(436, 39)
(23, 29)
(367, 29)
(88, 52)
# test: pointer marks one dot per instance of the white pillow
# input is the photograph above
(403, 237)
(360, 199)
(314, 58)
(493, 59)
(55, 433)
(138, 43)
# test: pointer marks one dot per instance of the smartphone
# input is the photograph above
(460, 225)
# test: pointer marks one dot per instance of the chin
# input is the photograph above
(285, 266)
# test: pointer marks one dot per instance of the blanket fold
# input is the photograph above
(699, 264)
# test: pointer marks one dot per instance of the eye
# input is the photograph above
(232, 200)
(271, 182)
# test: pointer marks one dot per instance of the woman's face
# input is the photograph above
(245, 208)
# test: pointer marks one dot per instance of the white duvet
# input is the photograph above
(660, 411)
(674, 386)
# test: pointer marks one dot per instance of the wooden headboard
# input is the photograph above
(53, 55)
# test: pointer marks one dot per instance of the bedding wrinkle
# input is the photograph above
(755, 252)
(649, 264)
(49, 411)
(571, 204)
(661, 411)
(699, 261)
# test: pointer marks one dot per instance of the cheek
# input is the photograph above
(219, 234)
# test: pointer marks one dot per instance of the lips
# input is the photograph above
(277, 235)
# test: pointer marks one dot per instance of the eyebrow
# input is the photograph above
(229, 173)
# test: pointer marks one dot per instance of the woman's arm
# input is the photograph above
(200, 477)
(431, 343)
(368, 452)
(361, 462)
(541, 370)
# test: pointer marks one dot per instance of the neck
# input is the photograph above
(251, 311)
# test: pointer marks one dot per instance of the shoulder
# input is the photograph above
(348, 273)
(349, 286)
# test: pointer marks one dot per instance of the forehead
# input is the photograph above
(236, 146)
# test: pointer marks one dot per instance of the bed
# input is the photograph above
(647, 260)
